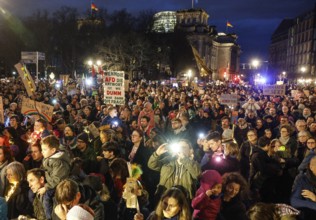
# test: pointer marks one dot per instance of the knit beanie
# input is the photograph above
(84, 137)
(78, 213)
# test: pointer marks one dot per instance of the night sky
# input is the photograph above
(254, 20)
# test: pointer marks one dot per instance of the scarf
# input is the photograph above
(284, 140)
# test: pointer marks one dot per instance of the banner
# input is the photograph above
(1, 111)
(274, 90)
(71, 89)
(26, 78)
(64, 78)
(229, 99)
(114, 91)
(31, 107)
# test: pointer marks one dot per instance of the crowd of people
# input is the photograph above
(168, 153)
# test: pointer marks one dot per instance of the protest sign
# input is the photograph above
(71, 89)
(306, 92)
(93, 130)
(114, 91)
(26, 78)
(274, 90)
(1, 111)
(31, 107)
(64, 78)
(229, 99)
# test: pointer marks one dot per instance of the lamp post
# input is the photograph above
(303, 69)
(255, 63)
(96, 66)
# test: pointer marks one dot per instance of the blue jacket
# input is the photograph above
(304, 165)
(302, 182)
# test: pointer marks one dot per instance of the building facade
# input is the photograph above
(293, 47)
(217, 55)
(164, 22)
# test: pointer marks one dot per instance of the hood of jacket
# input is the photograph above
(209, 179)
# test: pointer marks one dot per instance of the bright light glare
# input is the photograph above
(89, 81)
(255, 63)
(303, 69)
(262, 80)
(175, 147)
(90, 62)
(52, 75)
(99, 62)
(189, 73)
(218, 159)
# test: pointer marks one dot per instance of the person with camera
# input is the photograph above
(112, 120)
(213, 152)
(176, 165)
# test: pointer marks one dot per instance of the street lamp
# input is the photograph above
(99, 62)
(96, 66)
(255, 63)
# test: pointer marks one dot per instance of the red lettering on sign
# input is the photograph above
(113, 92)
(109, 79)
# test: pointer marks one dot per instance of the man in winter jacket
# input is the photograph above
(179, 169)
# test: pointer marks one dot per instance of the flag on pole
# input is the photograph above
(228, 24)
(94, 7)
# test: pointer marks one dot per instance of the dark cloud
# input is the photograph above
(254, 20)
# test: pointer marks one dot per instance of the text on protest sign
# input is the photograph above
(229, 99)
(26, 78)
(31, 107)
(113, 84)
(274, 90)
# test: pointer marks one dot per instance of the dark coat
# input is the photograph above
(235, 209)
(18, 203)
(245, 153)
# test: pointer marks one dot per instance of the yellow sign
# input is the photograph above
(26, 78)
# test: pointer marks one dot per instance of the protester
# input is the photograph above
(180, 169)
(207, 201)
(182, 112)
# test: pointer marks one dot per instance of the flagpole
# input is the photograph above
(91, 8)
(226, 26)
(192, 4)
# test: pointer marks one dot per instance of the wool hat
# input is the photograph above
(84, 137)
(79, 213)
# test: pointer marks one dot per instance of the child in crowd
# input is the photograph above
(57, 167)
(207, 199)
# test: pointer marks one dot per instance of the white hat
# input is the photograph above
(78, 213)
(227, 134)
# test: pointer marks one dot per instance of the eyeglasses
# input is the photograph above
(310, 142)
(134, 135)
